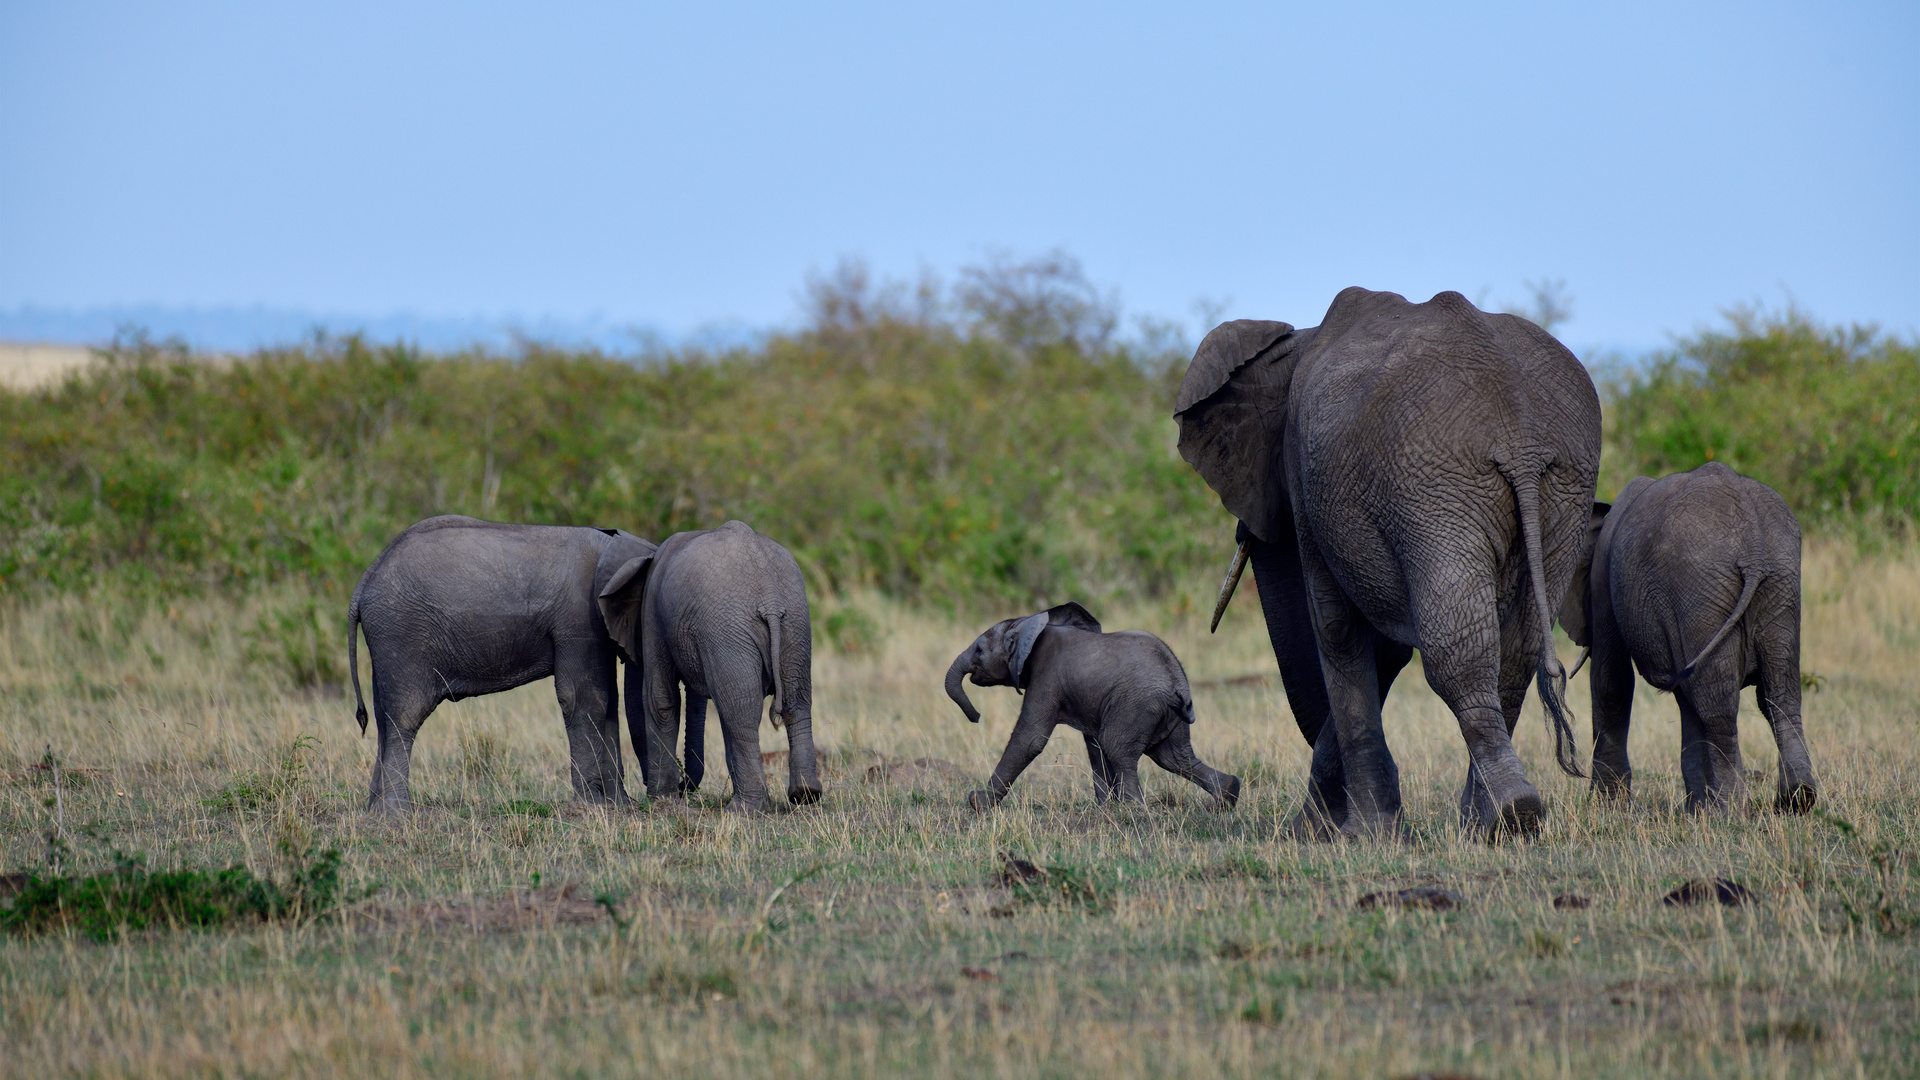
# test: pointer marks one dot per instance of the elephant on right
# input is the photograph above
(1695, 580)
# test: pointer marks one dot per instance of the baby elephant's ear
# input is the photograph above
(1020, 643)
(1072, 614)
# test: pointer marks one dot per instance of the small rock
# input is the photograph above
(1728, 893)
(1572, 902)
(1017, 870)
(1424, 897)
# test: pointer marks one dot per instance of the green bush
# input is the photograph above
(987, 445)
(131, 897)
(1829, 417)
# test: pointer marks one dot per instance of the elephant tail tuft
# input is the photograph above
(1750, 582)
(1552, 677)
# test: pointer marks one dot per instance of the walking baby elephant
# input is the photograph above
(1695, 580)
(456, 607)
(1126, 692)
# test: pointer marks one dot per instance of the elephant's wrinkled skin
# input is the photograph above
(456, 607)
(723, 611)
(1695, 580)
(1406, 476)
(1126, 692)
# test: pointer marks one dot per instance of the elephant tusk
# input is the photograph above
(1579, 662)
(1232, 582)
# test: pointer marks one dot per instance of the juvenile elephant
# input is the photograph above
(1695, 580)
(1126, 692)
(723, 611)
(1405, 476)
(456, 607)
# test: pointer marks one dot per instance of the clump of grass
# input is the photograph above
(1055, 884)
(130, 897)
(252, 790)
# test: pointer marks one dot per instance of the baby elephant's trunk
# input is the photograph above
(962, 666)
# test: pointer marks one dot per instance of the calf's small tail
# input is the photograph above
(778, 716)
(353, 658)
(1750, 581)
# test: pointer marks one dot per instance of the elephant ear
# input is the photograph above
(1232, 410)
(1072, 614)
(1020, 641)
(620, 605)
(1576, 615)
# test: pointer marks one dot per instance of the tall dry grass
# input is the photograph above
(1217, 948)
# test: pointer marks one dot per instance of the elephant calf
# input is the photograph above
(1695, 579)
(1126, 692)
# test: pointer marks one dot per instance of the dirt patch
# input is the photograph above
(522, 909)
(1422, 898)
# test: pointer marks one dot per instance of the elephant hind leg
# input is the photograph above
(740, 707)
(1175, 754)
(400, 706)
(583, 681)
(1710, 743)
(1465, 664)
(1102, 772)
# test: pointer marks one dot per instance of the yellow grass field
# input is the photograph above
(1209, 946)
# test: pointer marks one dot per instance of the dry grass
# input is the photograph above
(1215, 947)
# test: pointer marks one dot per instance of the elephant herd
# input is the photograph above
(1405, 476)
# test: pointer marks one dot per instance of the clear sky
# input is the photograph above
(680, 165)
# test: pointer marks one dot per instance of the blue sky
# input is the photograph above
(684, 166)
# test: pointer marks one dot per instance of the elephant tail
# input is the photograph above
(778, 716)
(353, 657)
(1552, 677)
(1749, 584)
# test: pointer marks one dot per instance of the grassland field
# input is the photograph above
(869, 936)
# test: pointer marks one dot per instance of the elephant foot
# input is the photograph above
(1373, 825)
(1228, 795)
(745, 806)
(981, 801)
(1520, 815)
(389, 807)
(804, 796)
(1312, 824)
(1798, 799)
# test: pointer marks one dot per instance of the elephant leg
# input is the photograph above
(1323, 814)
(1478, 814)
(1030, 735)
(803, 769)
(1175, 754)
(1778, 629)
(1710, 742)
(400, 706)
(1610, 680)
(1282, 585)
(660, 724)
(1102, 776)
(1463, 655)
(1347, 643)
(583, 680)
(739, 701)
(633, 692)
(695, 759)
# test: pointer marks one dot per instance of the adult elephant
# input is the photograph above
(724, 612)
(456, 607)
(1405, 476)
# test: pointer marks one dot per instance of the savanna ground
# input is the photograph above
(868, 935)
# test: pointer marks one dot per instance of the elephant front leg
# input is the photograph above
(1348, 659)
(398, 714)
(584, 682)
(1102, 774)
(1030, 735)
(1610, 679)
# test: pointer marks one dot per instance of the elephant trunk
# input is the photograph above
(962, 666)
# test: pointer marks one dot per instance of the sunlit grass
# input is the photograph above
(1218, 948)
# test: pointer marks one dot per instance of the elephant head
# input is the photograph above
(998, 657)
